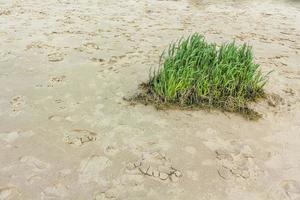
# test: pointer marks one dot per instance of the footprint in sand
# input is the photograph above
(153, 165)
(53, 80)
(79, 137)
(237, 162)
(17, 103)
(157, 166)
(113, 60)
(89, 47)
(55, 57)
(56, 118)
(121, 188)
(289, 91)
(57, 191)
(60, 118)
(111, 150)
(97, 60)
(85, 17)
(291, 188)
(9, 192)
(285, 190)
(91, 167)
(32, 178)
(12, 136)
(41, 45)
(36, 164)
(274, 100)
(234, 158)
(100, 196)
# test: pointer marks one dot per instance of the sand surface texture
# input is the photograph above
(66, 132)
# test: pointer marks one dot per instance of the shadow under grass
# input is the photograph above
(146, 96)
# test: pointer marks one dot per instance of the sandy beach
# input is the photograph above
(66, 132)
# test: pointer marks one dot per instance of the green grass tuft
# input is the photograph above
(193, 72)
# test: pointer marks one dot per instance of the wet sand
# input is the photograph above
(67, 133)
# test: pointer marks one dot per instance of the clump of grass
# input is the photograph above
(193, 72)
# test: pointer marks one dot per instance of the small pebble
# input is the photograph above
(163, 176)
(130, 166)
(137, 164)
(174, 178)
(178, 173)
(155, 173)
(144, 169)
